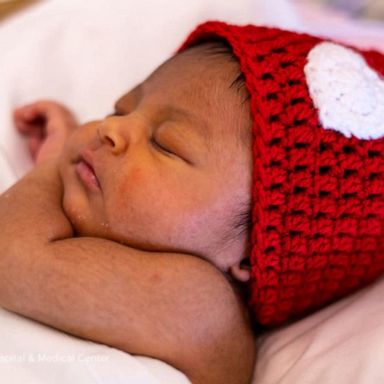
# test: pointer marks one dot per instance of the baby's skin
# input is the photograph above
(126, 231)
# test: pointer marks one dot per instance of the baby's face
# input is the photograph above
(171, 172)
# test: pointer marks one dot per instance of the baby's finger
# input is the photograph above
(28, 113)
(34, 144)
(45, 108)
(28, 121)
(22, 127)
(29, 128)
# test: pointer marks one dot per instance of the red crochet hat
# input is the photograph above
(318, 191)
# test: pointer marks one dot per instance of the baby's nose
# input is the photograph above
(110, 133)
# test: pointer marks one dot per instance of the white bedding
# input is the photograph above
(342, 344)
(86, 54)
(31, 353)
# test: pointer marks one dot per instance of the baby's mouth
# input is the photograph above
(86, 173)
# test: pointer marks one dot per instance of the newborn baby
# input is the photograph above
(247, 169)
(139, 221)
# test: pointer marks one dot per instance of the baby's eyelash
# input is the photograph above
(156, 144)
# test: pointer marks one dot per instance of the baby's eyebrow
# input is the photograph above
(191, 117)
(199, 125)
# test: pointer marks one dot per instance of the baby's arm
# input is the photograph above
(174, 307)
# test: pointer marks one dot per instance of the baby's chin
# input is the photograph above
(83, 226)
(82, 220)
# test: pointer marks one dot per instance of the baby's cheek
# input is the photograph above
(136, 177)
(141, 196)
(128, 184)
(130, 191)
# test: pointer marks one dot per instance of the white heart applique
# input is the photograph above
(347, 92)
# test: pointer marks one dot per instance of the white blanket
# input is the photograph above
(31, 353)
(342, 344)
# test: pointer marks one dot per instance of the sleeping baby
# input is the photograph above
(240, 185)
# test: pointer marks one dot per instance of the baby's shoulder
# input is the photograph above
(215, 323)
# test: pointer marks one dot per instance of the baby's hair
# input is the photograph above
(242, 222)
(220, 47)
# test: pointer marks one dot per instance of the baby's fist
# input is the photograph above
(47, 125)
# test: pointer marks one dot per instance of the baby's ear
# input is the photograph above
(241, 271)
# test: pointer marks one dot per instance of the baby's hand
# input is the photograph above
(47, 125)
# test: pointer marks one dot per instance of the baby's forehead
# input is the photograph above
(199, 81)
(206, 62)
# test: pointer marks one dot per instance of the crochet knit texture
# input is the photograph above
(318, 195)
